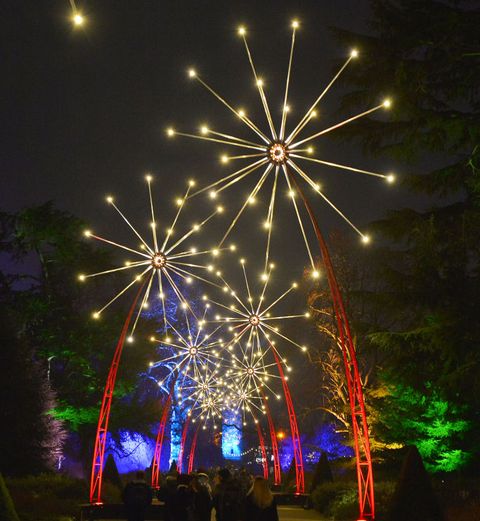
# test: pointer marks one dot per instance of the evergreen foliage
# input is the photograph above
(110, 472)
(414, 498)
(322, 473)
(7, 508)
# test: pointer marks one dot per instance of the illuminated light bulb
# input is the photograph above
(161, 295)
(304, 348)
(295, 24)
(196, 227)
(310, 150)
(242, 261)
(224, 159)
(215, 252)
(145, 305)
(317, 187)
(241, 113)
(78, 19)
(365, 239)
(87, 233)
(313, 114)
(291, 193)
(287, 108)
(260, 82)
(152, 339)
(189, 280)
(170, 132)
(192, 73)
(130, 339)
(315, 274)
(109, 199)
(148, 178)
(191, 182)
(264, 276)
(233, 247)
(354, 53)
(266, 225)
(212, 194)
(294, 285)
(241, 30)
(220, 209)
(307, 315)
(96, 315)
(81, 277)
(204, 130)
(387, 103)
(390, 178)
(150, 364)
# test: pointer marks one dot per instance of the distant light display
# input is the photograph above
(231, 436)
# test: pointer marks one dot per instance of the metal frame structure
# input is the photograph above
(295, 433)
(277, 470)
(354, 383)
(193, 447)
(157, 453)
(261, 439)
(182, 444)
(104, 415)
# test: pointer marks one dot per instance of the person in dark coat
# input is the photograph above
(182, 499)
(167, 494)
(137, 496)
(228, 497)
(201, 497)
(260, 504)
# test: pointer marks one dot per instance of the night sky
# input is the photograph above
(85, 111)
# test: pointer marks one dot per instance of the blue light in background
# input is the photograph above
(231, 437)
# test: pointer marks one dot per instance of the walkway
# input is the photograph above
(292, 513)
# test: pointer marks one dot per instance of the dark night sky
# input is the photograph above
(85, 112)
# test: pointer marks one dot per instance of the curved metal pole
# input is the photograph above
(292, 417)
(277, 471)
(263, 449)
(354, 383)
(182, 444)
(191, 456)
(157, 453)
(104, 415)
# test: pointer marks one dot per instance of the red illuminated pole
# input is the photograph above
(354, 383)
(157, 453)
(191, 456)
(182, 444)
(264, 451)
(104, 415)
(295, 433)
(277, 472)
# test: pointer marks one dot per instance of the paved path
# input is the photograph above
(291, 513)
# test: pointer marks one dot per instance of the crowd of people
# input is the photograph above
(229, 496)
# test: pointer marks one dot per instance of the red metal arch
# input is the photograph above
(193, 447)
(292, 417)
(104, 415)
(354, 383)
(262, 448)
(277, 471)
(182, 444)
(157, 453)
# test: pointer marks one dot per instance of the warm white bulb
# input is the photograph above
(170, 132)
(81, 278)
(192, 73)
(204, 130)
(241, 30)
(109, 199)
(295, 24)
(390, 178)
(315, 274)
(354, 53)
(78, 19)
(387, 103)
(365, 239)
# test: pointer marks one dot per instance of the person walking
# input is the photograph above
(201, 498)
(260, 504)
(182, 499)
(137, 496)
(227, 497)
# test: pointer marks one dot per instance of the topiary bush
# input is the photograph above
(7, 508)
(48, 497)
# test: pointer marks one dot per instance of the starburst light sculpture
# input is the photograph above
(277, 152)
(160, 262)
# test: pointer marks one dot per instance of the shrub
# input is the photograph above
(7, 508)
(48, 497)
(324, 495)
